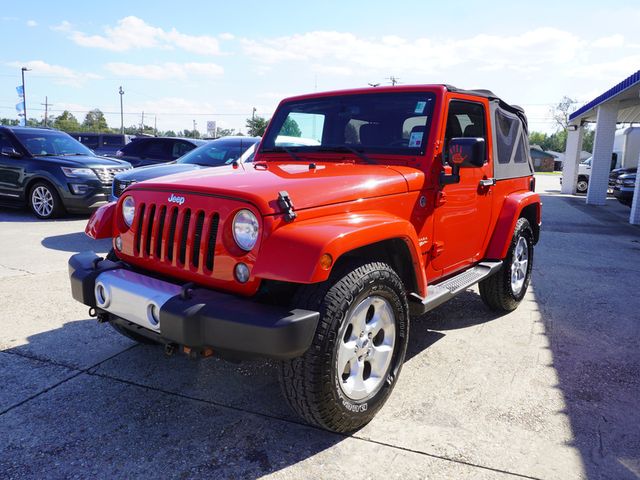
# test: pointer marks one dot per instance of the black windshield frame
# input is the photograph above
(384, 113)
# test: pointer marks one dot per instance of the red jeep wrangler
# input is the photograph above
(362, 208)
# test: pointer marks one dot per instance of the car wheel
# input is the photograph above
(582, 186)
(44, 201)
(504, 290)
(355, 358)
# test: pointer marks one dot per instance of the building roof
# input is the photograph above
(625, 92)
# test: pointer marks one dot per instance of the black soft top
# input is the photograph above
(479, 92)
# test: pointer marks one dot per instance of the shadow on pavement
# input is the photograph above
(586, 284)
(22, 215)
(76, 242)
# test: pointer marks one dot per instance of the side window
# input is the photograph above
(466, 119)
(90, 141)
(180, 148)
(5, 141)
(134, 148)
(506, 132)
(156, 149)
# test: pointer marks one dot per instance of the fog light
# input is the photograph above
(153, 314)
(79, 188)
(118, 243)
(242, 272)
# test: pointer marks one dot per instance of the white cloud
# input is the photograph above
(32, 23)
(613, 41)
(226, 36)
(165, 71)
(133, 32)
(523, 52)
(64, 26)
(59, 74)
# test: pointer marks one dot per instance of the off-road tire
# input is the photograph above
(37, 194)
(496, 291)
(133, 335)
(310, 383)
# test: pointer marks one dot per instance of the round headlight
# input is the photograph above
(245, 229)
(128, 210)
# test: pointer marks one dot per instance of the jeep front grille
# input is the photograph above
(176, 236)
(106, 174)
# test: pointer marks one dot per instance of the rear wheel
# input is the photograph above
(583, 185)
(357, 353)
(44, 201)
(504, 290)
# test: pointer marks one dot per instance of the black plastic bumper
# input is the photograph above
(232, 326)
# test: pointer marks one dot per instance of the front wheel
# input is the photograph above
(504, 290)
(357, 353)
(44, 201)
(582, 186)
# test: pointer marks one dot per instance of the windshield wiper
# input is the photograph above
(346, 148)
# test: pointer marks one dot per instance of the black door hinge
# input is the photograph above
(286, 205)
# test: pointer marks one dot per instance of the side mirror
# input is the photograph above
(466, 152)
(10, 152)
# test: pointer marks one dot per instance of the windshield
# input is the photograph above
(51, 143)
(385, 123)
(216, 153)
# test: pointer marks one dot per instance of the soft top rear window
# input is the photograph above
(386, 123)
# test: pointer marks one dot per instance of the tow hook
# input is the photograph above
(170, 349)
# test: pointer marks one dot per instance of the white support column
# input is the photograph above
(571, 160)
(634, 216)
(602, 150)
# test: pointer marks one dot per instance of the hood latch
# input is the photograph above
(286, 205)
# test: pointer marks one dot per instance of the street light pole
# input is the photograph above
(121, 92)
(24, 94)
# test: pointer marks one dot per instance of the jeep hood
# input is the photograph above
(260, 183)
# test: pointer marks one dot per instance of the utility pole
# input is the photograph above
(121, 92)
(24, 94)
(394, 80)
(253, 114)
(194, 129)
(142, 124)
(46, 110)
(155, 125)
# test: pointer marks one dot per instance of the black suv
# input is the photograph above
(53, 173)
(103, 143)
(144, 151)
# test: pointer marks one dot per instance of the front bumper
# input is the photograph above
(232, 326)
(96, 196)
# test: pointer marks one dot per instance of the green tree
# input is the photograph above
(169, 133)
(12, 122)
(256, 126)
(587, 140)
(94, 121)
(290, 128)
(66, 122)
(562, 110)
(225, 132)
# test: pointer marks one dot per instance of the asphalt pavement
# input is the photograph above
(550, 391)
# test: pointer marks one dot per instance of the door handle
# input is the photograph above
(487, 182)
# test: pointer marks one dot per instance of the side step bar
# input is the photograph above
(441, 292)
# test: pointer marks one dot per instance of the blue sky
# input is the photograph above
(218, 60)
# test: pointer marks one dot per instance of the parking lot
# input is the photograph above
(549, 391)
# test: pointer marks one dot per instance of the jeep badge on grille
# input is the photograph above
(175, 199)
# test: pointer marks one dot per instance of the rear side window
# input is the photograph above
(90, 141)
(180, 148)
(157, 149)
(112, 140)
(133, 148)
(506, 134)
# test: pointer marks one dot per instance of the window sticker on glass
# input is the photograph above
(415, 140)
(420, 107)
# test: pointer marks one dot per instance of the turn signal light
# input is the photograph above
(326, 261)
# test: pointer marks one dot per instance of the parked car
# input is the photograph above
(613, 176)
(391, 201)
(144, 151)
(624, 188)
(214, 153)
(106, 144)
(52, 172)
